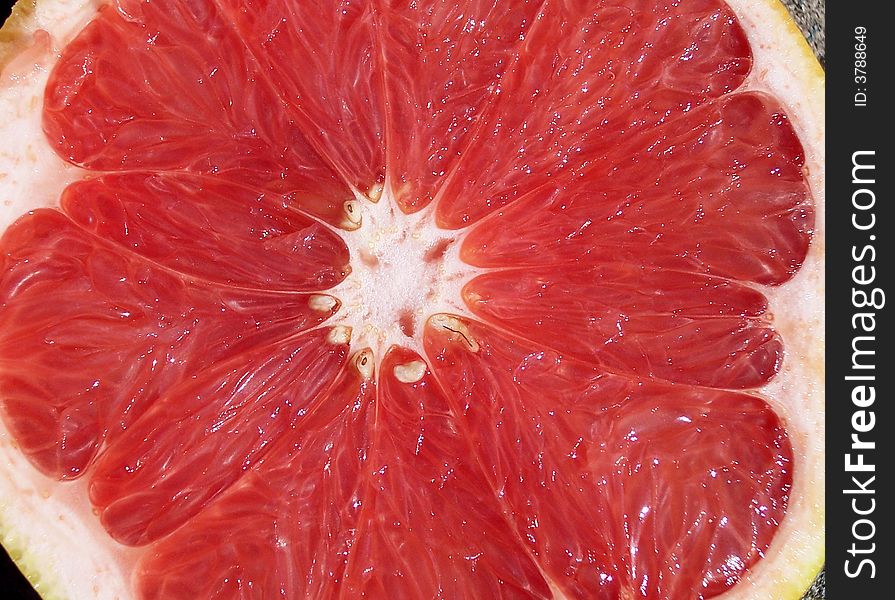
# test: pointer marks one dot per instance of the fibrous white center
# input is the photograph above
(403, 269)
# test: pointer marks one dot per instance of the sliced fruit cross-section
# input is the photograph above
(411, 299)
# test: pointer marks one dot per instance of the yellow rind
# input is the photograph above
(809, 59)
(45, 585)
(42, 579)
(15, 30)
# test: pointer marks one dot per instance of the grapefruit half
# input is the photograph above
(411, 299)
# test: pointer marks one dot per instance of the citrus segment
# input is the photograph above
(447, 537)
(322, 58)
(720, 190)
(641, 321)
(688, 484)
(591, 75)
(168, 86)
(209, 229)
(288, 525)
(117, 334)
(442, 62)
(200, 436)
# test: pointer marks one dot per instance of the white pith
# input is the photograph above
(31, 173)
(785, 67)
(404, 269)
(59, 537)
(57, 541)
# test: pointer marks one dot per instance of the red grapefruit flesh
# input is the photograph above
(426, 299)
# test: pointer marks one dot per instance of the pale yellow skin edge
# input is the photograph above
(799, 551)
(15, 29)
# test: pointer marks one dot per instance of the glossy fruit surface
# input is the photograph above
(440, 299)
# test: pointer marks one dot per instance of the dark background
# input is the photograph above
(850, 129)
(810, 16)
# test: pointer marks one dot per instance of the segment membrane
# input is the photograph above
(589, 76)
(169, 86)
(719, 191)
(634, 320)
(201, 435)
(622, 487)
(91, 336)
(210, 229)
(442, 64)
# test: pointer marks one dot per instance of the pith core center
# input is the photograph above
(403, 269)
